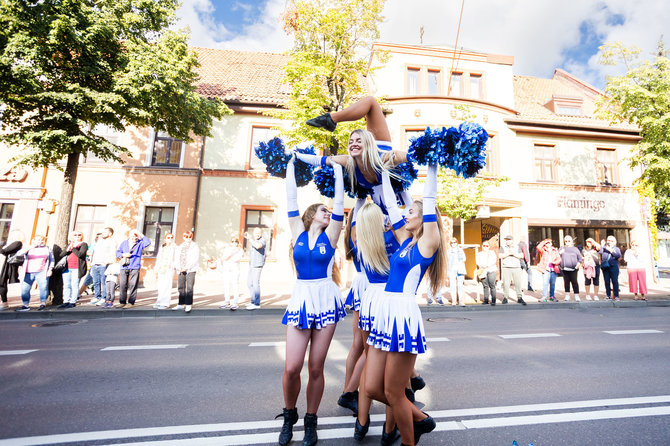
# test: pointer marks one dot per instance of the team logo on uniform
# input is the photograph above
(322, 249)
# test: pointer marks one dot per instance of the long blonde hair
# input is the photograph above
(370, 238)
(437, 269)
(307, 218)
(370, 157)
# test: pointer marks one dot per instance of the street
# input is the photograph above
(586, 376)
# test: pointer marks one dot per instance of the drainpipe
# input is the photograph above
(37, 210)
(197, 189)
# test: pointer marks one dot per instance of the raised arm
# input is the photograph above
(336, 219)
(294, 220)
(314, 160)
(359, 203)
(394, 213)
(430, 240)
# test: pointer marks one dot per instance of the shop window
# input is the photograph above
(606, 167)
(545, 163)
(90, 220)
(158, 221)
(259, 134)
(259, 218)
(167, 151)
(6, 214)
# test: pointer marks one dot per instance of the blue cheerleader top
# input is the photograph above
(392, 246)
(315, 263)
(356, 260)
(407, 269)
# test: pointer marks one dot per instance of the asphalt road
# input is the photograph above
(217, 380)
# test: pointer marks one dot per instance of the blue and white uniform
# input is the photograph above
(316, 300)
(396, 324)
(377, 282)
(358, 284)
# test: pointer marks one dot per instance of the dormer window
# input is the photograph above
(565, 105)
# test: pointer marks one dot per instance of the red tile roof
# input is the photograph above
(242, 76)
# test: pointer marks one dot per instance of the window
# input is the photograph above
(412, 133)
(106, 132)
(568, 110)
(90, 220)
(166, 151)
(413, 81)
(259, 134)
(476, 86)
(433, 82)
(545, 162)
(158, 221)
(259, 218)
(456, 88)
(490, 167)
(606, 166)
(6, 213)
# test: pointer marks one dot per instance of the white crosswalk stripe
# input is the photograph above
(15, 352)
(625, 332)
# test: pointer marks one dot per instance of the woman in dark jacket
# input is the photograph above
(76, 269)
(9, 273)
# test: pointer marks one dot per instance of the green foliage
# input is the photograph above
(69, 65)
(642, 97)
(328, 64)
(459, 197)
(647, 197)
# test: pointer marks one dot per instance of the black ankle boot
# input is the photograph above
(323, 121)
(349, 400)
(423, 427)
(391, 437)
(417, 383)
(361, 431)
(290, 418)
(310, 430)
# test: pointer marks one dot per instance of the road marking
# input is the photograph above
(624, 332)
(15, 352)
(530, 335)
(346, 432)
(267, 344)
(143, 347)
(437, 339)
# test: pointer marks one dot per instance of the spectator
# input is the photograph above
(103, 254)
(230, 269)
(9, 272)
(610, 255)
(186, 263)
(38, 265)
(591, 262)
(257, 255)
(130, 253)
(510, 260)
(637, 273)
(76, 269)
(548, 266)
(456, 271)
(571, 258)
(165, 272)
(430, 296)
(487, 269)
(111, 282)
(525, 264)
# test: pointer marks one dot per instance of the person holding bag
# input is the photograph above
(130, 253)
(9, 272)
(487, 269)
(38, 263)
(570, 259)
(610, 254)
(549, 267)
(76, 269)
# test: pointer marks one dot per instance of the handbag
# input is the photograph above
(16, 259)
(61, 265)
(557, 270)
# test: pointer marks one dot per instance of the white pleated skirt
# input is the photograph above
(314, 304)
(372, 293)
(396, 324)
(358, 286)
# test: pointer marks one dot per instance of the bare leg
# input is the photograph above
(353, 370)
(399, 368)
(364, 401)
(367, 108)
(296, 346)
(317, 357)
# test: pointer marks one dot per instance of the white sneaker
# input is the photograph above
(588, 297)
(187, 309)
(567, 299)
(595, 298)
(225, 306)
(93, 301)
(100, 303)
(178, 307)
(253, 307)
(453, 302)
(4, 306)
(234, 307)
(577, 299)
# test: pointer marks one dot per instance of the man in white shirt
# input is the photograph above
(510, 259)
(104, 253)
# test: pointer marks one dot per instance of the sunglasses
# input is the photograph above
(169, 237)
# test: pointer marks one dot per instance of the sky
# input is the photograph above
(542, 35)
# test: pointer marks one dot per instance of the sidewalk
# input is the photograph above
(209, 296)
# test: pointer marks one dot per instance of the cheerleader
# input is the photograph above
(396, 330)
(355, 358)
(316, 304)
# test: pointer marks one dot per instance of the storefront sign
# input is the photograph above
(14, 175)
(580, 203)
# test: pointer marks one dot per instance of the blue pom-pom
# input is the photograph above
(470, 151)
(324, 179)
(275, 158)
(424, 149)
(406, 174)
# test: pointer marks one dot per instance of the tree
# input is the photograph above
(328, 63)
(67, 66)
(642, 97)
